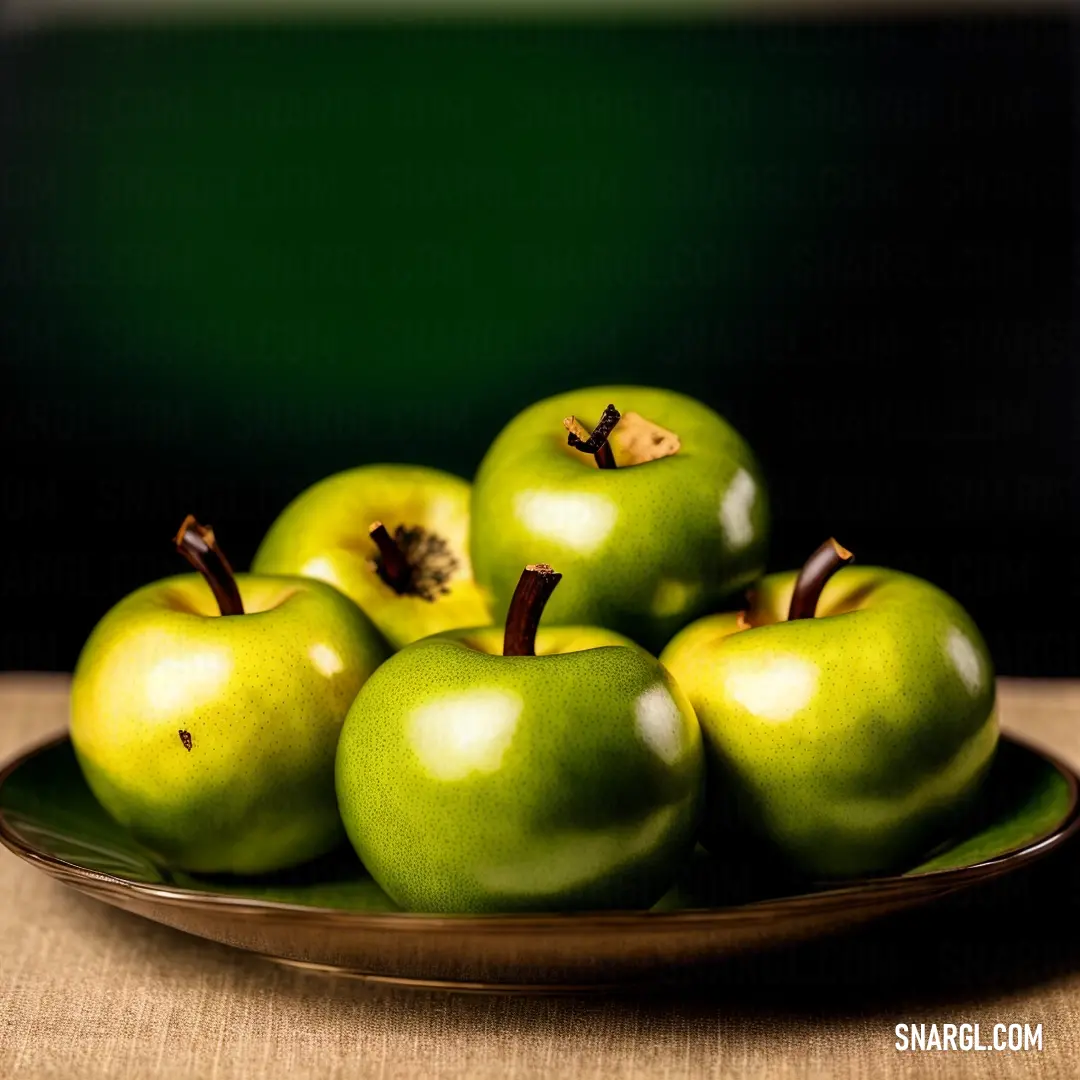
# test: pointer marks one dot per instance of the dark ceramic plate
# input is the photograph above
(330, 915)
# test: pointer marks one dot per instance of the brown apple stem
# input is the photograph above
(594, 442)
(197, 544)
(812, 577)
(395, 566)
(534, 589)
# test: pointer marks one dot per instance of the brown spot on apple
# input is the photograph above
(185, 738)
(413, 561)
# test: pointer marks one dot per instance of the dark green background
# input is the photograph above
(238, 258)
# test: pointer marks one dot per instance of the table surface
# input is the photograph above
(89, 991)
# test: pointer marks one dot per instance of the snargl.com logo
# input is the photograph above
(1003, 1037)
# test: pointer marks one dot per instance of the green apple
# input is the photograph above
(500, 771)
(206, 709)
(848, 720)
(655, 517)
(393, 538)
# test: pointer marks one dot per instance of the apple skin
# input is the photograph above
(644, 549)
(472, 782)
(262, 696)
(847, 744)
(550, 640)
(323, 534)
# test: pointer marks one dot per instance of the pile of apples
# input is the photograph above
(382, 674)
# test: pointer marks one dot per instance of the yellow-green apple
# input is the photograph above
(656, 515)
(488, 771)
(206, 709)
(848, 716)
(393, 538)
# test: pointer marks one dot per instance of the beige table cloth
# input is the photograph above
(87, 991)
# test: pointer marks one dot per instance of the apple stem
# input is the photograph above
(594, 442)
(395, 566)
(812, 577)
(197, 544)
(534, 589)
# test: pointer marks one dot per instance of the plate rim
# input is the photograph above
(949, 878)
